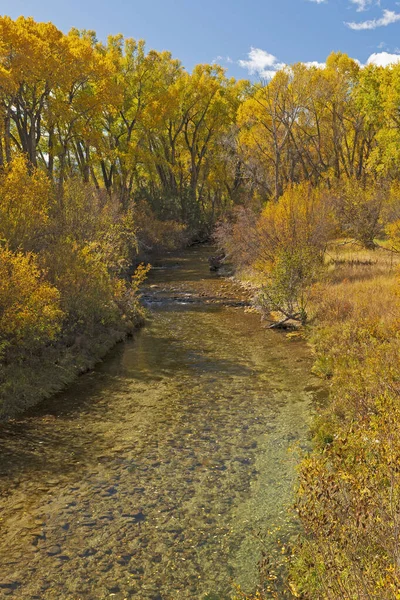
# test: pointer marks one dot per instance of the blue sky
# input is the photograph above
(249, 37)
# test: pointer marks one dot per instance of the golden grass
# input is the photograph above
(355, 315)
(356, 340)
(360, 285)
(347, 260)
(375, 299)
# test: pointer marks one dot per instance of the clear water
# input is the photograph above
(154, 475)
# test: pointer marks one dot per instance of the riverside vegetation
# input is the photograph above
(109, 152)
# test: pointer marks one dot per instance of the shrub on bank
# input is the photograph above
(30, 307)
(285, 245)
(65, 304)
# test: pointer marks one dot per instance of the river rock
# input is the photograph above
(105, 567)
(111, 491)
(135, 570)
(88, 523)
(8, 584)
(54, 550)
(107, 517)
(87, 552)
(135, 516)
(124, 559)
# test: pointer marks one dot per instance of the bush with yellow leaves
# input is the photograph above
(26, 205)
(65, 293)
(30, 310)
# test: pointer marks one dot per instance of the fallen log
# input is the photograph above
(284, 323)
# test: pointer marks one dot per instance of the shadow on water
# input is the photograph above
(151, 476)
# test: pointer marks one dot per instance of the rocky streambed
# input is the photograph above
(156, 475)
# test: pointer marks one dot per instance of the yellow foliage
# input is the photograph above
(25, 204)
(392, 217)
(300, 218)
(28, 51)
(359, 209)
(30, 313)
(84, 282)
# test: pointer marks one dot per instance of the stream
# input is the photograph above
(162, 473)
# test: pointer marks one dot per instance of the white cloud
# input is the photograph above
(383, 59)
(319, 1)
(223, 59)
(362, 4)
(261, 63)
(314, 63)
(266, 65)
(388, 17)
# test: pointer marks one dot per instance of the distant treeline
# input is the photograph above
(136, 125)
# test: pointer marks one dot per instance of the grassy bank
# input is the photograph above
(349, 485)
(349, 489)
(65, 293)
(28, 383)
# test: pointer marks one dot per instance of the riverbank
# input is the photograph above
(350, 485)
(37, 378)
(349, 482)
(65, 297)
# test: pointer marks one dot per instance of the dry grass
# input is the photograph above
(372, 300)
(347, 260)
(355, 315)
(355, 335)
(360, 285)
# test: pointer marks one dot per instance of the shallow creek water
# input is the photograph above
(154, 476)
